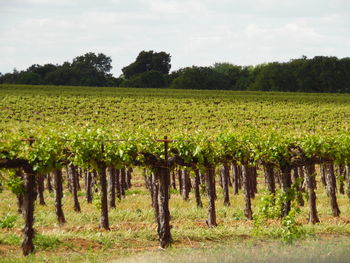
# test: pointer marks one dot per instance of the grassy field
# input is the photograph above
(312, 250)
(133, 235)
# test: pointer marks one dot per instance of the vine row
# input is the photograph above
(289, 161)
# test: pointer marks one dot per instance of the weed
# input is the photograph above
(134, 192)
(291, 230)
(10, 239)
(44, 242)
(270, 207)
(8, 221)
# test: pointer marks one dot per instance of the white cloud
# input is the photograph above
(194, 32)
(52, 2)
(172, 7)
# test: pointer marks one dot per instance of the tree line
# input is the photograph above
(152, 70)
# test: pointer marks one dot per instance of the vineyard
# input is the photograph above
(94, 145)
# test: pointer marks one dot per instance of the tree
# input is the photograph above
(274, 76)
(146, 61)
(238, 76)
(199, 78)
(42, 71)
(10, 78)
(148, 79)
(25, 77)
(64, 75)
(100, 62)
(343, 74)
(92, 69)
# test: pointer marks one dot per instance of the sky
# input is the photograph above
(194, 32)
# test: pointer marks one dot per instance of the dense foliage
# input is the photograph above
(85, 149)
(88, 70)
(165, 112)
(151, 70)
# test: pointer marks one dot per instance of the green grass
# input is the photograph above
(8, 221)
(313, 250)
(43, 242)
(133, 230)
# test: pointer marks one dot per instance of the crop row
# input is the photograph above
(168, 111)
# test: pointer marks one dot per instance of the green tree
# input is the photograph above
(146, 61)
(64, 75)
(274, 76)
(200, 78)
(10, 78)
(148, 79)
(343, 74)
(42, 70)
(92, 69)
(26, 77)
(237, 76)
(100, 62)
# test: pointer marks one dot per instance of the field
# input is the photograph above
(33, 110)
(133, 233)
(166, 112)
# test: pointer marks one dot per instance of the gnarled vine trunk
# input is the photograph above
(278, 177)
(286, 182)
(341, 175)
(122, 181)
(252, 174)
(323, 175)
(310, 175)
(235, 178)
(179, 177)
(196, 188)
(331, 189)
(245, 181)
(128, 177)
(41, 187)
(185, 191)
(20, 196)
(58, 186)
(347, 174)
(163, 178)
(173, 180)
(111, 172)
(298, 182)
(104, 222)
(72, 174)
(154, 188)
(28, 207)
(49, 185)
(118, 187)
(88, 186)
(79, 172)
(302, 178)
(270, 178)
(225, 184)
(210, 185)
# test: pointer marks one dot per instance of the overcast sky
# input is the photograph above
(194, 32)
